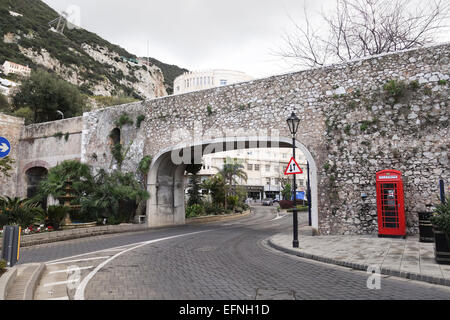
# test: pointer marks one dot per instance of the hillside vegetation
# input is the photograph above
(80, 57)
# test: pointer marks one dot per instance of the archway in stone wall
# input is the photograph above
(166, 178)
(34, 176)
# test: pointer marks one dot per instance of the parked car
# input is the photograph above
(267, 202)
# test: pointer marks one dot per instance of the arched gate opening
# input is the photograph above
(165, 182)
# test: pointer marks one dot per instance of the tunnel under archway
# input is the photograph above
(166, 205)
(33, 177)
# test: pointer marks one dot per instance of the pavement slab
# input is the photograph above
(407, 258)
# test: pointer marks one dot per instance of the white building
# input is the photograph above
(265, 170)
(7, 87)
(11, 67)
(200, 80)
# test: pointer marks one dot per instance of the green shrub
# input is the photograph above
(113, 195)
(212, 208)
(441, 217)
(232, 201)
(395, 89)
(364, 126)
(123, 120)
(300, 208)
(195, 210)
(22, 212)
(3, 265)
(58, 135)
(347, 129)
(209, 111)
(45, 93)
(442, 82)
(117, 153)
(139, 120)
(239, 210)
(56, 215)
(3, 220)
(414, 85)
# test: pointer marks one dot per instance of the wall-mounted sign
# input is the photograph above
(5, 147)
(387, 177)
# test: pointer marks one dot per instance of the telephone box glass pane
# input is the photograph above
(389, 200)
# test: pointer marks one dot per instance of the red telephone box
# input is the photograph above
(391, 204)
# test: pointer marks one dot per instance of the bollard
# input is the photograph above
(11, 245)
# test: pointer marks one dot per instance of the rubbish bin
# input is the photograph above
(425, 227)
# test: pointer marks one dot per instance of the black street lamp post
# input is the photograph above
(293, 123)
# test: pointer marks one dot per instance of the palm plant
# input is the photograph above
(232, 170)
(113, 195)
(23, 212)
(77, 173)
(216, 186)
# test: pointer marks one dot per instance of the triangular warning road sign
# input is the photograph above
(293, 168)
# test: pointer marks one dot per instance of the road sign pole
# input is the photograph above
(295, 214)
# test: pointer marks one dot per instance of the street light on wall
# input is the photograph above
(293, 122)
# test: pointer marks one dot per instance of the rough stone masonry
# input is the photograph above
(357, 118)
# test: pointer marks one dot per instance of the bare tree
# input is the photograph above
(360, 28)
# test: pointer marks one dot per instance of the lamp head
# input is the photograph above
(293, 122)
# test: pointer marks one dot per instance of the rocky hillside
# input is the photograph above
(170, 72)
(83, 58)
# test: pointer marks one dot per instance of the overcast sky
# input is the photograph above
(197, 34)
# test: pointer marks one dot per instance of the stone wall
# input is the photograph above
(351, 124)
(11, 129)
(46, 145)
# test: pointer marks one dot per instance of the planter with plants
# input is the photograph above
(441, 228)
(2, 267)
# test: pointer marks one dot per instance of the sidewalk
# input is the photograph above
(408, 258)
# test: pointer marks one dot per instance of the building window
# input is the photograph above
(249, 167)
(223, 82)
(301, 182)
(268, 181)
(257, 167)
(267, 168)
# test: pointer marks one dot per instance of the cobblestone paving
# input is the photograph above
(399, 256)
(233, 263)
(58, 250)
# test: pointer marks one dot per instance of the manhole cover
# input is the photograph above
(275, 294)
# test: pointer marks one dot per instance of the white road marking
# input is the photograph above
(278, 218)
(93, 252)
(78, 260)
(70, 270)
(52, 284)
(79, 294)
